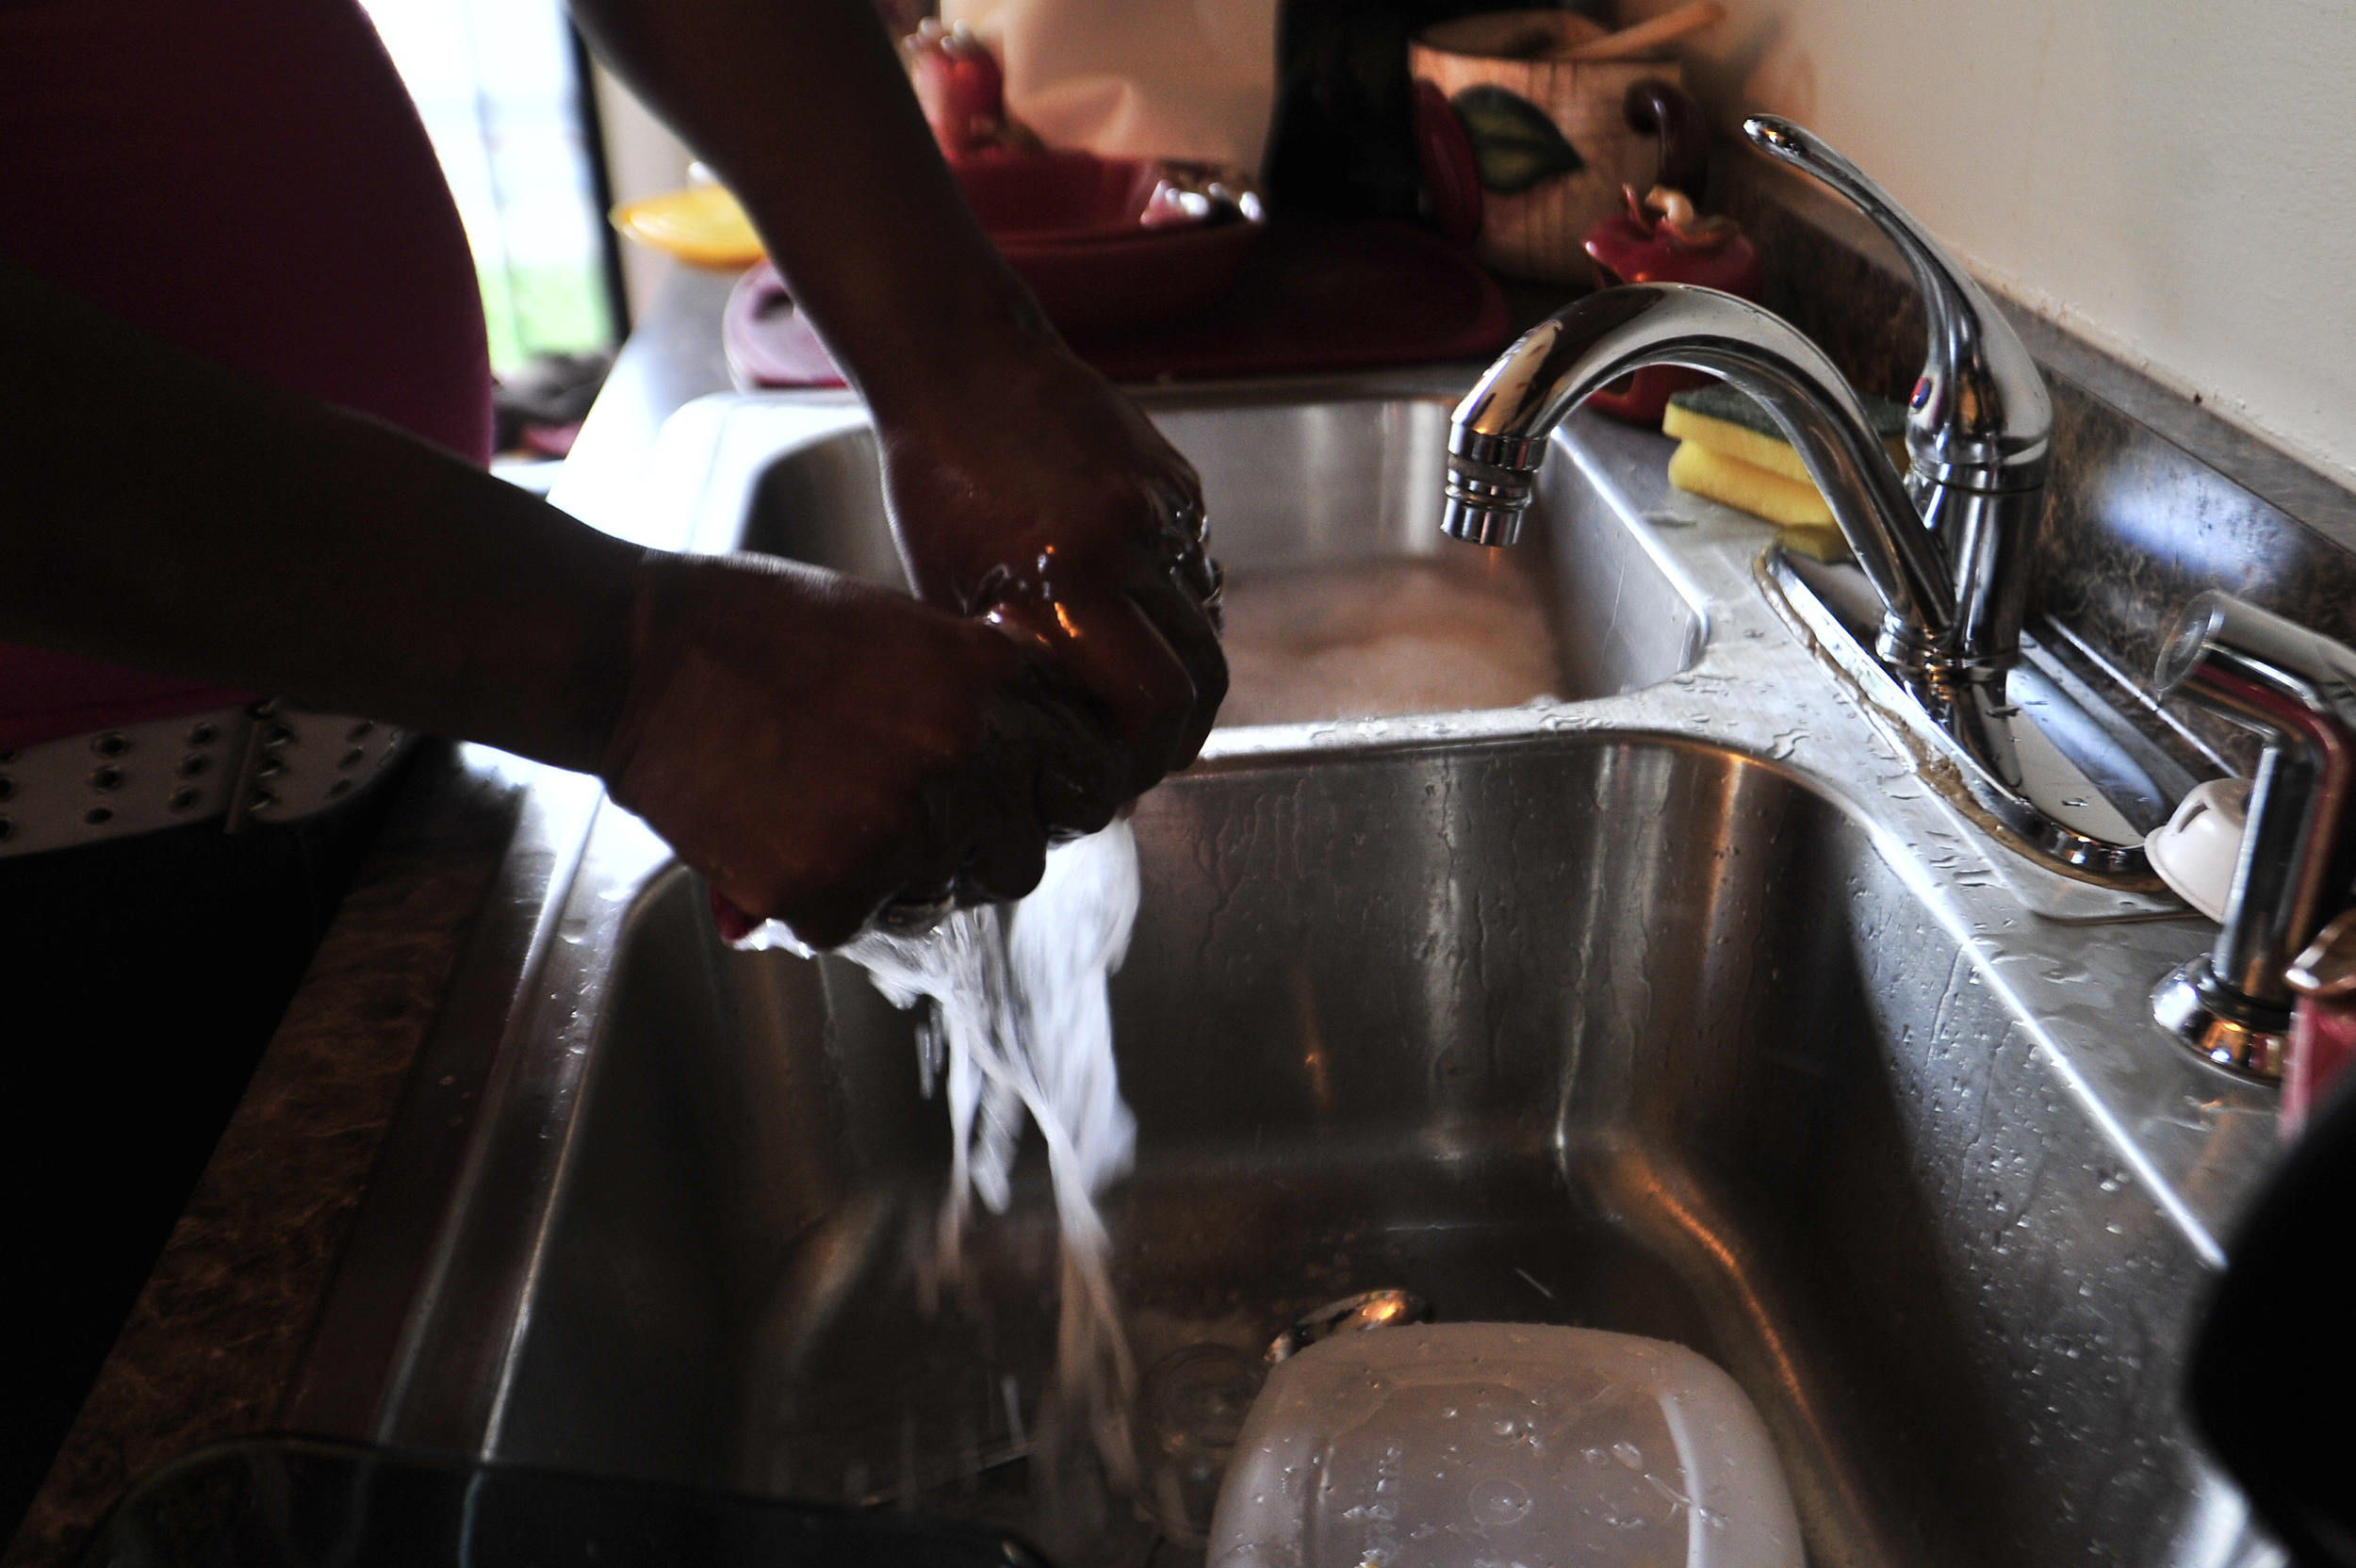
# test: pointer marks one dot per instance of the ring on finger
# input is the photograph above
(1198, 577)
(1184, 525)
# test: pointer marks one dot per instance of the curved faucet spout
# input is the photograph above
(1500, 432)
(1948, 549)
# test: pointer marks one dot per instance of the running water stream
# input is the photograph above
(1017, 1022)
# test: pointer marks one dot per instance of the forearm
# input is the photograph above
(802, 106)
(159, 511)
(1020, 484)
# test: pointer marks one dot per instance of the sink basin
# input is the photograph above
(1345, 600)
(1681, 1004)
(1589, 1032)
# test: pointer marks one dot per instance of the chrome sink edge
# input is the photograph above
(2194, 1139)
(705, 452)
(390, 1282)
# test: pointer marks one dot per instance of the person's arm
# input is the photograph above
(802, 108)
(157, 509)
(1021, 485)
(815, 746)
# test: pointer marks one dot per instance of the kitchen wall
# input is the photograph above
(2173, 180)
(642, 159)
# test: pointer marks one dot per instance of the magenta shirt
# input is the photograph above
(246, 179)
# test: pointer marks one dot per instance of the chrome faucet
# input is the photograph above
(2296, 689)
(1978, 423)
(1948, 548)
(1500, 432)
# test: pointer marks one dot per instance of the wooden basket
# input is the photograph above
(1537, 233)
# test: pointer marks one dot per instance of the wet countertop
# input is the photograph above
(212, 1349)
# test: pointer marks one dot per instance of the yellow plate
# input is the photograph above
(702, 225)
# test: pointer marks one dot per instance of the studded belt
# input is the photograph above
(262, 762)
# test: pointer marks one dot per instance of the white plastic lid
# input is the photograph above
(1502, 1446)
(2198, 849)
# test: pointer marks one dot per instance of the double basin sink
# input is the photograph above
(1666, 998)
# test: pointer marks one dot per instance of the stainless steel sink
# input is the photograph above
(1684, 1008)
(1586, 1032)
(1301, 484)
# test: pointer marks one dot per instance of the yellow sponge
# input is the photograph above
(1731, 452)
(1749, 447)
(1747, 487)
(1825, 544)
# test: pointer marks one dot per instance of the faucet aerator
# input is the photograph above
(1485, 504)
(1476, 524)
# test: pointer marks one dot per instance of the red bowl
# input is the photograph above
(1313, 297)
(1084, 232)
(1102, 255)
(1057, 196)
(1150, 276)
(1107, 285)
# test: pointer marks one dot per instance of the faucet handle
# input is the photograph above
(1979, 416)
(2296, 688)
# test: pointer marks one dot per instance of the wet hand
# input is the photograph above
(1045, 501)
(818, 748)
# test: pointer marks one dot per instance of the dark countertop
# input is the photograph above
(298, 1503)
(212, 1348)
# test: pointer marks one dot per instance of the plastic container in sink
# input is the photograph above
(1502, 1446)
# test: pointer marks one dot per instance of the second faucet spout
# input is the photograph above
(1501, 429)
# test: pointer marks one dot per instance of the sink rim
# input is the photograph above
(735, 447)
(630, 875)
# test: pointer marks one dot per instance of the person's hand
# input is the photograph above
(1042, 500)
(818, 748)
(1022, 487)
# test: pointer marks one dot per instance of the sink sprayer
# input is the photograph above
(2296, 690)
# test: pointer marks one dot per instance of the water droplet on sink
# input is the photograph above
(1500, 1501)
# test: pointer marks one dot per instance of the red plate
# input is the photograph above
(1057, 197)
(1086, 234)
(1311, 297)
